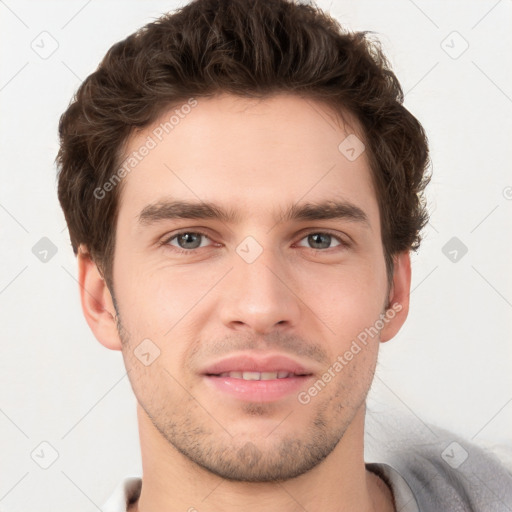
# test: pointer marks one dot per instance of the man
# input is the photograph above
(243, 187)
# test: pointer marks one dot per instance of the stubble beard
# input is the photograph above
(274, 457)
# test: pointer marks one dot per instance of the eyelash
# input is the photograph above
(179, 250)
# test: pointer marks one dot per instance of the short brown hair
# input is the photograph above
(249, 49)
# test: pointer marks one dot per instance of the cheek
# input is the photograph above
(348, 300)
(159, 386)
(155, 299)
(175, 296)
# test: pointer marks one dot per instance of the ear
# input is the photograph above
(97, 303)
(398, 298)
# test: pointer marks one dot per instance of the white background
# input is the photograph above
(451, 363)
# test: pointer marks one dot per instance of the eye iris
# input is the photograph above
(186, 238)
(322, 239)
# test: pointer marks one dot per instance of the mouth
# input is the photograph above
(257, 379)
(282, 374)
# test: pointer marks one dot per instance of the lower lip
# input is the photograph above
(257, 390)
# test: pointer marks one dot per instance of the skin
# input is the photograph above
(200, 447)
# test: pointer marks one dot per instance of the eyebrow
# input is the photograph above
(325, 210)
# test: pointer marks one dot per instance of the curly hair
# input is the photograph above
(250, 49)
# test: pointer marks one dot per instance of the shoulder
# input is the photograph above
(447, 472)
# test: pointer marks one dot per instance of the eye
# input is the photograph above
(321, 240)
(187, 241)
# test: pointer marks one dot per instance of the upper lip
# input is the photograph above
(256, 363)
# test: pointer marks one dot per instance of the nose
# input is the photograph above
(260, 296)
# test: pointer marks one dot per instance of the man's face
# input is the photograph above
(261, 295)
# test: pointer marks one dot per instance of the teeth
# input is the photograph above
(251, 375)
(268, 375)
(256, 375)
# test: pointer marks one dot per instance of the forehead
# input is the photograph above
(254, 153)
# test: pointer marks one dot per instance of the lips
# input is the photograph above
(256, 377)
(253, 367)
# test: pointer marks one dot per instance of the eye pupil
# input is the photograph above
(322, 239)
(189, 238)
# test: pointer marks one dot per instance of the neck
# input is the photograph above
(339, 483)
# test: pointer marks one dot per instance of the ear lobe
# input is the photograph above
(96, 301)
(398, 308)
